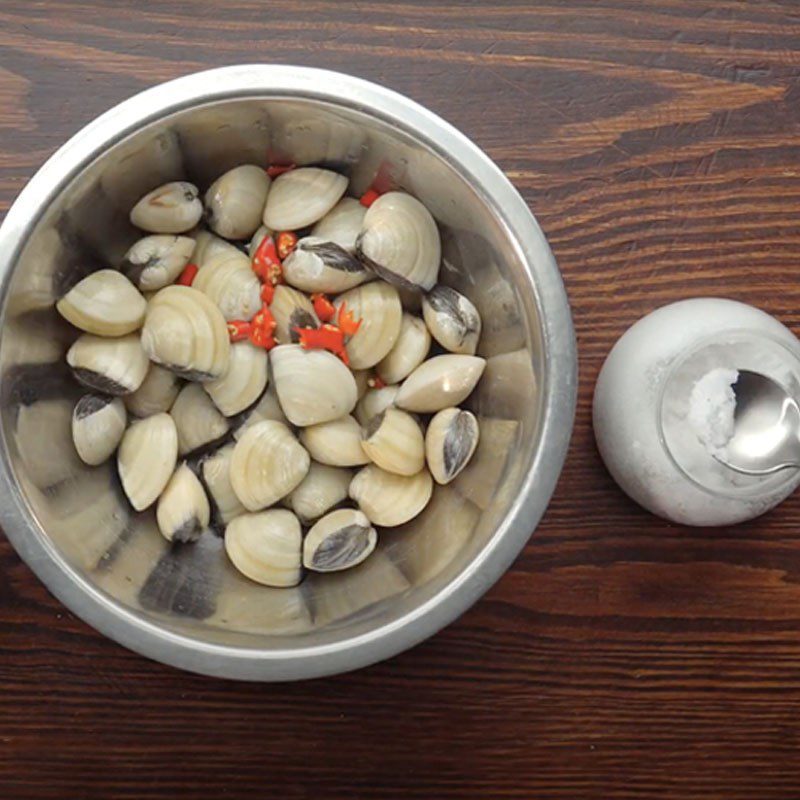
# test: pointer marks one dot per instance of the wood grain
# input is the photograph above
(621, 656)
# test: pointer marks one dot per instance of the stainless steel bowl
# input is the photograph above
(184, 605)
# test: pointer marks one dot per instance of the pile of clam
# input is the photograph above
(295, 449)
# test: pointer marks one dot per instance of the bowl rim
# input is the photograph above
(559, 386)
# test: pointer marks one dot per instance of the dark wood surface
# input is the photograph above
(621, 656)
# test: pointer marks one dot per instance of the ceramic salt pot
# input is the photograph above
(664, 403)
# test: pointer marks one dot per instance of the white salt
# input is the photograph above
(712, 406)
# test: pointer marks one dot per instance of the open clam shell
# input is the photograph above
(313, 386)
(342, 224)
(450, 442)
(267, 464)
(197, 419)
(243, 382)
(393, 440)
(377, 305)
(183, 511)
(336, 443)
(146, 459)
(110, 366)
(322, 488)
(452, 320)
(156, 393)
(317, 265)
(266, 547)
(301, 197)
(400, 241)
(408, 353)
(389, 499)
(98, 423)
(104, 303)
(440, 382)
(172, 208)
(186, 333)
(156, 261)
(235, 201)
(291, 309)
(340, 540)
(216, 471)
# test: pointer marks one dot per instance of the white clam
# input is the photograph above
(291, 309)
(452, 319)
(98, 423)
(258, 237)
(362, 377)
(183, 512)
(336, 443)
(317, 265)
(313, 386)
(267, 464)
(266, 547)
(321, 489)
(374, 402)
(400, 241)
(342, 224)
(156, 261)
(243, 382)
(301, 197)
(208, 247)
(394, 441)
(389, 499)
(229, 281)
(156, 393)
(104, 303)
(267, 407)
(450, 442)
(378, 307)
(111, 366)
(340, 540)
(197, 419)
(408, 353)
(216, 471)
(235, 201)
(172, 208)
(146, 459)
(440, 382)
(186, 333)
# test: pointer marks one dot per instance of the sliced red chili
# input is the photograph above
(266, 263)
(238, 330)
(347, 323)
(186, 278)
(323, 307)
(260, 337)
(267, 293)
(285, 242)
(328, 337)
(264, 320)
(369, 197)
(273, 170)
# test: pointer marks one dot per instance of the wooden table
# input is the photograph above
(621, 656)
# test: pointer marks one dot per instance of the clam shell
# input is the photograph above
(197, 419)
(336, 443)
(374, 402)
(183, 511)
(450, 443)
(186, 333)
(440, 382)
(452, 320)
(216, 471)
(301, 197)
(243, 382)
(362, 377)
(228, 280)
(235, 201)
(104, 303)
(146, 459)
(317, 265)
(340, 540)
(267, 407)
(156, 261)
(266, 547)
(400, 241)
(342, 224)
(110, 366)
(98, 423)
(171, 208)
(291, 309)
(156, 393)
(258, 237)
(321, 489)
(378, 307)
(209, 247)
(313, 386)
(388, 499)
(393, 440)
(267, 464)
(408, 353)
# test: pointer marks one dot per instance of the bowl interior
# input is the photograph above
(191, 589)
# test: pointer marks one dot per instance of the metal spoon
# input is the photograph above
(766, 433)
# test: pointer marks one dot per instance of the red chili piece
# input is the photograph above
(267, 293)
(328, 337)
(285, 242)
(266, 263)
(369, 197)
(273, 170)
(347, 322)
(238, 330)
(323, 307)
(262, 327)
(186, 278)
